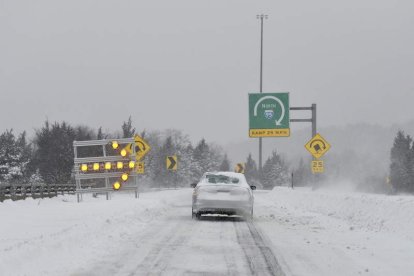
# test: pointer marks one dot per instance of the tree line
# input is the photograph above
(48, 157)
(401, 175)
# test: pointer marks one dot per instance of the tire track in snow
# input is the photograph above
(173, 244)
(227, 252)
(157, 260)
(259, 256)
(122, 261)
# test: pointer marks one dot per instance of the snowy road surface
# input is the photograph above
(297, 232)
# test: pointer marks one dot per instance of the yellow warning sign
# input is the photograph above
(172, 163)
(317, 146)
(317, 166)
(140, 168)
(239, 168)
(141, 147)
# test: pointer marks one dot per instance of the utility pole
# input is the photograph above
(261, 17)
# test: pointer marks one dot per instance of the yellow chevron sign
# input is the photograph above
(239, 168)
(172, 163)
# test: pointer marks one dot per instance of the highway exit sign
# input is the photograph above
(269, 115)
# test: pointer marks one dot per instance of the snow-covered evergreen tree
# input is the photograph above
(127, 130)
(152, 168)
(206, 157)
(183, 150)
(215, 156)
(26, 154)
(36, 178)
(302, 174)
(54, 154)
(85, 133)
(189, 165)
(200, 155)
(250, 170)
(401, 168)
(274, 172)
(225, 164)
(100, 134)
(164, 176)
(15, 155)
(411, 168)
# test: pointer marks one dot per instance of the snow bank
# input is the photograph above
(372, 212)
(48, 236)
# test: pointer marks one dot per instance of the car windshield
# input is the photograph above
(222, 179)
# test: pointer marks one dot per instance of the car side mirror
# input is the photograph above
(193, 185)
(253, 187)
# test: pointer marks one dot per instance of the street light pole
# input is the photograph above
(261, 17)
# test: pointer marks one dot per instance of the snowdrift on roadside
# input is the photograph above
(48, 236)
(373, 212)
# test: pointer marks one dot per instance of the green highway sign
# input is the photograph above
(269, 115)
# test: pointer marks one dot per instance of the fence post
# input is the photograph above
(13, 192)
(1, 193)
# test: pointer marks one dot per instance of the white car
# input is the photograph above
(223, 193)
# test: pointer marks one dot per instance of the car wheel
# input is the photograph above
(195, 215)
(198, 216)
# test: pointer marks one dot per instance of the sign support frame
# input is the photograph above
(77, 161)
(312, 120)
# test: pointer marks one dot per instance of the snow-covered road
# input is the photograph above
(175, 244)
(297, 232)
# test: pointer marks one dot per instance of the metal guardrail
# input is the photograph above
(22, 191)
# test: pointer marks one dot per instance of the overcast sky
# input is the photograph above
(190, 64)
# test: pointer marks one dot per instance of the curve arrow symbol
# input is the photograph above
(278, 122)
(172, 162)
